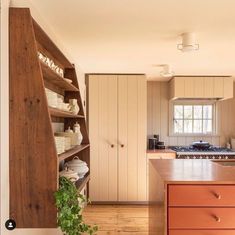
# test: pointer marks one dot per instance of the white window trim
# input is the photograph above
(193, 102)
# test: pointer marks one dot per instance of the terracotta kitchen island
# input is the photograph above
(191, 197)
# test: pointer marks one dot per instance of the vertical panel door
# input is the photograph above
(103, 137)
(132, 112)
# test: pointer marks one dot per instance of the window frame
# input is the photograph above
(193, 102)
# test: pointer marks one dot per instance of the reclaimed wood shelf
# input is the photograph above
(29, 77)
(61, 113)
(72, 151)
(52, 77)
(44, 40)
(82, 182)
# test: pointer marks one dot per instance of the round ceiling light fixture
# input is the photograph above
(188, 43)
(167, 71)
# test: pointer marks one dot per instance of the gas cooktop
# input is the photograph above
(190, 152)
(192, 149)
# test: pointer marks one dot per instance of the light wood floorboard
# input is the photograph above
(118, 219)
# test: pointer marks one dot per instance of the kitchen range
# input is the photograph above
(202, 150)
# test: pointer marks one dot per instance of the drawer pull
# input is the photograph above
(218, 196)
(217, 218)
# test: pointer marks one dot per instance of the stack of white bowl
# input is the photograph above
(60, 144)
(51, 98)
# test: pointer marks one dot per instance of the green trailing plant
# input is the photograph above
(68, 202)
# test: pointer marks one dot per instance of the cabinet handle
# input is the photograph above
(218, 196)
(112, 145)
(122, 145)
(217, 218)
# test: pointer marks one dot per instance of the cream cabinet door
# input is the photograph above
(198, 87)
(179, 90)
(208, 87)
(189, 87)
(228, 87)
(132, 111)
(218, 87)
(102, 114)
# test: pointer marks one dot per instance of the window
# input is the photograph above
(193, 118)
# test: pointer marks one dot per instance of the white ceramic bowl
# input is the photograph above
(78, 166)
(69, 174)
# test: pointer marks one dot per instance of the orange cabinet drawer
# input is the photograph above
(201, 218)
(202, 232)
(201, 195)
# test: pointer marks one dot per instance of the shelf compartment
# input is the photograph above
(72, 151)
(64, 114)
(80, 184)
(43, 39)
(52, 77)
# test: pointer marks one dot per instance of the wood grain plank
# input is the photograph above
(33, 157)
(118, 219)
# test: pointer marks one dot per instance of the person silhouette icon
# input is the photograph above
(10, 224)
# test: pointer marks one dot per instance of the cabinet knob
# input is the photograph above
(217, 218)
(112, 145)
(217, 195)
(122, 145)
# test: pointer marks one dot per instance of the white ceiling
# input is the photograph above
(130, 36)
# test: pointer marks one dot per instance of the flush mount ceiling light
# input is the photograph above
(167, 71)
(188, 43)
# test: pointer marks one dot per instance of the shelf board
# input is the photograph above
(80, 184)
(72, 151)
(52, 77)
(64, 114)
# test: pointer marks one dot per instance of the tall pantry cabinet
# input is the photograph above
(117, 129)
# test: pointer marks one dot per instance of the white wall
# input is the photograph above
(4, 147)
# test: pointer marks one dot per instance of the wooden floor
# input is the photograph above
(118, 219)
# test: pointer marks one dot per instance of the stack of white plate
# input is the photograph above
(51, 98)
(60, 144)
(73, 137)
(67, 143)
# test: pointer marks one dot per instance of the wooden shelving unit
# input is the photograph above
(34, 168)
